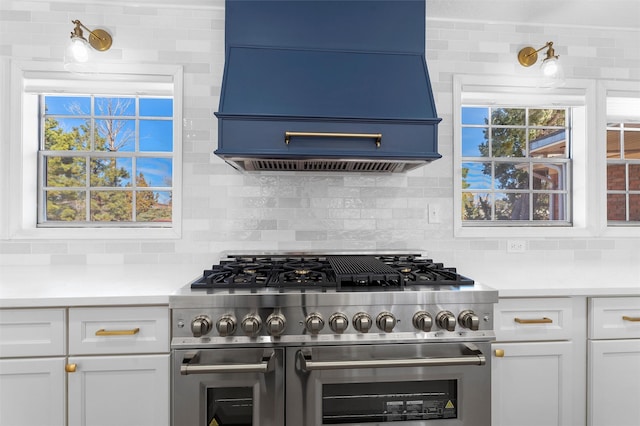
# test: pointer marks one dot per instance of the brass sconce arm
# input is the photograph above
(528, 56)
(98, 39)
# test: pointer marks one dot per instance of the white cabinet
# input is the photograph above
(32, 378)
(119, 390)
(537, 363)
(614, 362)
(115, 371)
(32, 392)
(530, 383)
(120, 362)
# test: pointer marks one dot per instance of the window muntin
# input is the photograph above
(105, 161)
(515, 165)
(623, 172)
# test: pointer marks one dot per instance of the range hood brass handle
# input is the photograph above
(376, 136)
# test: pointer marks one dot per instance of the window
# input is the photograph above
(515, 164)
(105, 160)
(521, 156)
(623, 161)
(97, 154)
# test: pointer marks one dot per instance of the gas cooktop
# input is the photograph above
(358, 272)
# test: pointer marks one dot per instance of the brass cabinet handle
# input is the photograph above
(543, 320)
(632, 319)
(70, 368)
(499, 353)
(376, 136)
(103, 332)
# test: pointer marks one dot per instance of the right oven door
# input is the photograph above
(443, 384)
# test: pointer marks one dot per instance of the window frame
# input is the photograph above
(29, 80)
(530, 161)
(578, 95)
(605, 90)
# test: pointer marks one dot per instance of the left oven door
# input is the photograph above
(224, 387)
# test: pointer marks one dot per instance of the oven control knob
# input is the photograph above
(275, 324)
(314, 323)
(386, 321)
(362, 322)
(468, 319)
(251, 325)
(446, 320)
(338, 322)
(226, 325)
(422, 321)
(201, 325)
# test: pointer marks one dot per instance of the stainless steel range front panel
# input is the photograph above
(443, 384)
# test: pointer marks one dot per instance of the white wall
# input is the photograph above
(227, 210)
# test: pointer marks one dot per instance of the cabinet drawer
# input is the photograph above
(614, 318)
(533, 319)
(118, 330)
(32, 332)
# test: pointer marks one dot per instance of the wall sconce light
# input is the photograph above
(550, 67)
(78, 50)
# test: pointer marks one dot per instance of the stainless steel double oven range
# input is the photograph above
(343, 339)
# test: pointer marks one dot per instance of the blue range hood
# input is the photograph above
(325, 85)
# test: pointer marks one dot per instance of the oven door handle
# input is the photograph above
(190, 366)
(306, 363)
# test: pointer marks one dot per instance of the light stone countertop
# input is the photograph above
(524, 278)
(92, 285)
(96, 285)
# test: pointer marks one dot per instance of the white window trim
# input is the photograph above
(23, 149)
(526, 91)
(606, 89)
(5, 176)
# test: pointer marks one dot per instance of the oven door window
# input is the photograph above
(230, 406)
(348, 403)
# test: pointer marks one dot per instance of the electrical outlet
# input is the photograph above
(434, 214)
(516, 246)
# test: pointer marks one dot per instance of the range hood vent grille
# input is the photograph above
(378, 166)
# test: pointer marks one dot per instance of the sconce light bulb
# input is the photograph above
(79, 50)
(550, 67)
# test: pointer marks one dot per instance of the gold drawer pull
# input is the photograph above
(103, 332)
(499, 353)
(632, 319)
(70, 368)
(376, 136)
(543, 320)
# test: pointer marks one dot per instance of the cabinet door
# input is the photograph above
(531, 384)
(119, 391)
(32, 392)
(614, 383)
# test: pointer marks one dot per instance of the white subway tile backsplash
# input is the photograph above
(227, 210)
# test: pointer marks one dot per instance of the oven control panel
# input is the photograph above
(331, 324)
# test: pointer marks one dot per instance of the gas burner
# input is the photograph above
(302, 267)
(435, 274)
(402, 267)
(247, 268)
(303, 278)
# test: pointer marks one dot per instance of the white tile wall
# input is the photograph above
(227, 210)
